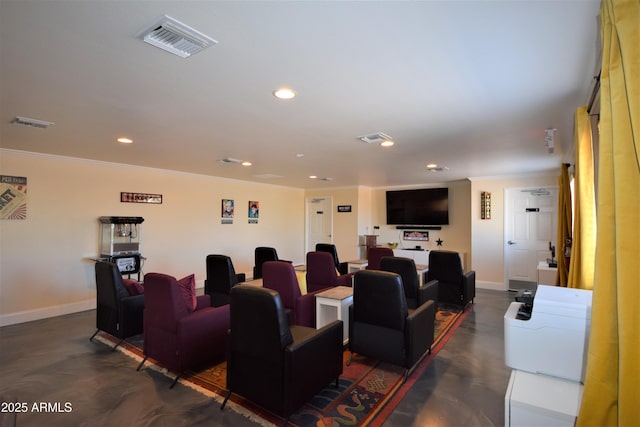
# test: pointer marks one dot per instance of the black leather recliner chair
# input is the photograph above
(271, 364)
(221, 277)
(415, 295)
(263, 254)
(454, 285)
(343, 267)
(381, 326)
(117, 313)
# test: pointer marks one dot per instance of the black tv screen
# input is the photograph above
(425, 206)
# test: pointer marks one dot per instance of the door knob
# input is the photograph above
(511, 242)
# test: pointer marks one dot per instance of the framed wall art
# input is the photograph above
(253, 211)
(227, 211)
(13, 197)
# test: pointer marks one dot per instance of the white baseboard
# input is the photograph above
(46, 312)
(495, 286)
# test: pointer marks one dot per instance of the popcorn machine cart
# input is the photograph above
(120, 238)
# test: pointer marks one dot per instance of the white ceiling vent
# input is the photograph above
(375, 138)
(25, 121)
(176, 37)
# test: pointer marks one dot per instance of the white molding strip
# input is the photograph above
(46, 312)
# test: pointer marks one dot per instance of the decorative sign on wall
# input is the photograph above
(344, 208)
(13, 197)
(415, 235)
(254, 212)
(485, 205)
(227, 211)
(154, 199)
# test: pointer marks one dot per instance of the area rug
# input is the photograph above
(368, 389)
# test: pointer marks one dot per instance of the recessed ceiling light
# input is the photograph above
(246, 163)
(432, 166)
(299, 155)
(125, 140)
(312, 176)
(284, 93)
(387, 143)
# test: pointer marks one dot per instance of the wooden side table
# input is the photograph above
(333, 304)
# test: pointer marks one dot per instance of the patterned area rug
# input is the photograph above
(367, 393)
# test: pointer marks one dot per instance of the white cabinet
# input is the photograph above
(546, 274)
(419, 257)
(541, 400)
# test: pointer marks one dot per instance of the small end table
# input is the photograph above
(333, 304)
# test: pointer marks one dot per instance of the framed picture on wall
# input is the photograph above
(415, 235)
(13, 197)
(254, 211)
(227, 211)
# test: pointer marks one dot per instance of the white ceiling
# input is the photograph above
(470, 85)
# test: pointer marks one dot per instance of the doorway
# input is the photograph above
(319, 222)
(531, 224)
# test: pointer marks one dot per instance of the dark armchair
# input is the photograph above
(381, 326)
(176, 337)
(263, 254)
(343, 267)
(415, 294)
(281, 277)
(221, 277)
(375, 254)
(272, 364)
(117, 313)
(454, 285)
(322, 274)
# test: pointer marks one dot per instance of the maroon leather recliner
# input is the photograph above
(322, 274)
(281, 277)
(177, 338)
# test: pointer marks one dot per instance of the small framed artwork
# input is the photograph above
(127, 197)
(254, 212)
(13, 197)
(227, 211)
(416, 235)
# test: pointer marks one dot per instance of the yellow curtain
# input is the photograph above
(583, 247)
(611, 393)
(564, 223)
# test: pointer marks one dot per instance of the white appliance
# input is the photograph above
(540, 400)
(554, 341)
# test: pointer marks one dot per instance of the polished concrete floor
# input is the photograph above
(83, 383)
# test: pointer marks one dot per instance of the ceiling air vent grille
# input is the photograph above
(229, 160)
(375, 138)
(25, 121)
(177, 38)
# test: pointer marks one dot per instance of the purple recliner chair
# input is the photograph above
(281, 277)
(322, 274)
(177, 338)
(375, 254)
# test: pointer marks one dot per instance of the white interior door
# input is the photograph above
(530, 226)
(319, 221)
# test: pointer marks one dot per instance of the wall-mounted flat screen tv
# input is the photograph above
(424, 206)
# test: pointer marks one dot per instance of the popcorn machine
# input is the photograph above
(120, 238)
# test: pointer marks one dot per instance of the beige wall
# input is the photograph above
(345, 224)
(44, 269)
(487, 243)
(456, 236)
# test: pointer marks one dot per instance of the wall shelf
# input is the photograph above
(418, 227)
